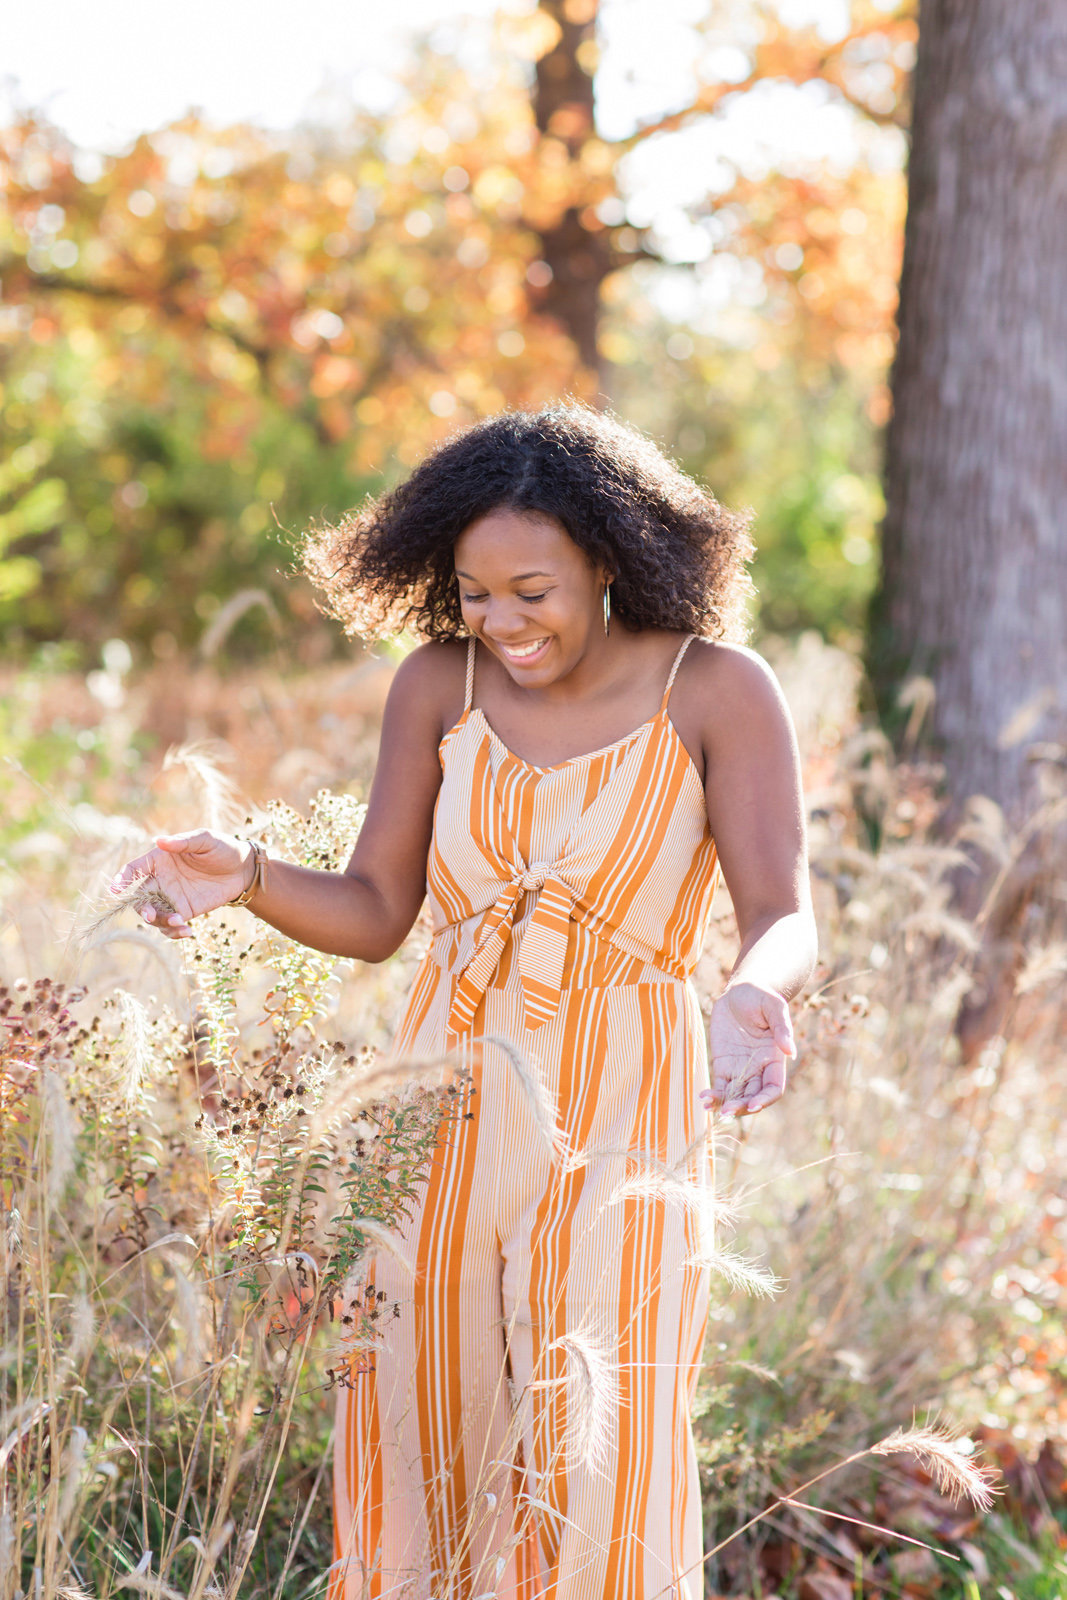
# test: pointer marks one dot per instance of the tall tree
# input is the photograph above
(220, 329)
(574, 243)
(573, 205)
(974, 586)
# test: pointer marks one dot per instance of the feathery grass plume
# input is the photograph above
(62, 1135)
(201, 759)
(144, 1584)
(348, 1092)
(82, 1328)
(933, 923)
(384, 1239)
(932, 861)
(210, 1550)
(191, 1319)
(139, 893)
(73, 1472)
(937, 1448)
(24, 1417)
(765, 1374)
(592, 1396)
(1041, 966)
(535, 1092)
(147, 942)
(748, 1277)
(7, 1541)
(656, 1179)
(289, 1284)
(230, 613)
(135, 1042)
(985, 827)
(916, 696)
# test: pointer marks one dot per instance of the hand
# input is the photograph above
(197, 872)
(750, 1038)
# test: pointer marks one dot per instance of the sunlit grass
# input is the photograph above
(177, 1235)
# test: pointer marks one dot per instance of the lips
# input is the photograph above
(525, 652)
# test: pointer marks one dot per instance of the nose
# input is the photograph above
(506, 622)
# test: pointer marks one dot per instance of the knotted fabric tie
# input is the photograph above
(541, 954)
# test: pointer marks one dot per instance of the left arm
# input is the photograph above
(756, 814)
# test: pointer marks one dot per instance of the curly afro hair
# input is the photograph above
(677, 555)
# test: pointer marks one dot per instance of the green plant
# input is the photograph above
(192, 1209)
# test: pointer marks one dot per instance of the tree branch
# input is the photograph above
(813, 61)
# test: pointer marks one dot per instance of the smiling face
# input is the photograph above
(530, 594)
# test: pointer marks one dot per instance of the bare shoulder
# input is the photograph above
(734, 678)
(427, 690)
(729, 693)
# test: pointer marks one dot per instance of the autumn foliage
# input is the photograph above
(218, 334)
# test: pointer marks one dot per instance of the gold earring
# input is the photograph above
(607, 608)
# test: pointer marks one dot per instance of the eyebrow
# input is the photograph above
(520, 577)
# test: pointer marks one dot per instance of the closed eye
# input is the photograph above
(531, 599)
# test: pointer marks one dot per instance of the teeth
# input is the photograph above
(526, 650)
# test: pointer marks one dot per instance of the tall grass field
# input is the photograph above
(205, 1145)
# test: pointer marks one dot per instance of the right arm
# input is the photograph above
(368, 910)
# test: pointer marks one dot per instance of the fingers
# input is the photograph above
(172, 925)
(721, 1081)
(759, 1102)
(748, 1090)
(171, 844)
(141, 868)
(751, 1040)
(779, 1023)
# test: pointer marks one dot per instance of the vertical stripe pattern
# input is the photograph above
(524, 1431)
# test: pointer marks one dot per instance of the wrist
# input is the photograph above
(739, 982)
(258, 877)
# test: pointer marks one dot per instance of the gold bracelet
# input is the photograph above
(259, 876)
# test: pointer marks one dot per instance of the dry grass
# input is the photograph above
(903, 1202)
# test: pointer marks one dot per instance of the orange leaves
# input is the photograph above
(868, 64)
(325, 272)
(829, 247)
(532, 36)
(333, 375)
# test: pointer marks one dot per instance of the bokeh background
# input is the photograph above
(221, 323)
(254, 261)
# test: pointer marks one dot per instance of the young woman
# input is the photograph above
(566, 765)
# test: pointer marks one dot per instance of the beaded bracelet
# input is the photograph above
(259, 876)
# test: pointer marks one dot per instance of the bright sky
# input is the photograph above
(108, 70)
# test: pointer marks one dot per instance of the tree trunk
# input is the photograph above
(576, 247)
(974, 583)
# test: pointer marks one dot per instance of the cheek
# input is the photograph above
(573, 616)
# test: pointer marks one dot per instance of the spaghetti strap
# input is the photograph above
(468, 697)
(682, 648)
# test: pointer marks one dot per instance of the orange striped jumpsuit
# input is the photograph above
(526, 1431)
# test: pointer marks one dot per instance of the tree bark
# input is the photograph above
(974, 581)
(580, 256)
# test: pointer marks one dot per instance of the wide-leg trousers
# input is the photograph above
(523, 1429)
